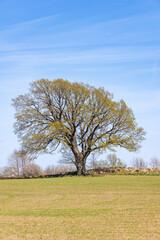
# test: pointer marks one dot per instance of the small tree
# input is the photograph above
(112, 161)
(50, 170)
(139, 163)
(94, 163)
(18, 162)
(7, 172)
(32, 170)
(82, 118)
(155, 162)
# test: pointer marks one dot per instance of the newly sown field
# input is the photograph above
(108, 207)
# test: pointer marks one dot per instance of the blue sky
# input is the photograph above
(114, 44)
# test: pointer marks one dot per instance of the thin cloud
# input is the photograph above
(30, 22)
(131, 30)
(101, 55)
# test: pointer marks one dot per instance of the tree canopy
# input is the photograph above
(80, 117)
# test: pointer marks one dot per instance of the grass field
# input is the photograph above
(108, 207)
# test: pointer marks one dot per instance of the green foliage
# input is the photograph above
(80, 117)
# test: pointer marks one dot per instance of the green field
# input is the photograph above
(108, 207)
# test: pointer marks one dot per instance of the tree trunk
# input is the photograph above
(81, 165)
(80, 158)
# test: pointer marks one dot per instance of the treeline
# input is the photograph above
(20, 165)
(112, 161)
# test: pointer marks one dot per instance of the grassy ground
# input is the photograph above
(108, 207)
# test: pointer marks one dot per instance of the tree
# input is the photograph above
(50, 170)
(139, 163)
(155, 162)
(94, 163)
(82, 118)
(7, 172)
(67, 156)
(112, 161)
(18, 162)
(32, 170)
(64, 169)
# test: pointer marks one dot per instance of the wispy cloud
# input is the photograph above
(30, 22)
(100, 55)
(119, 32)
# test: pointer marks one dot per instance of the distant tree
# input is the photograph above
(64, 168)
(7, 172)
(112, 161)
(50, 170)
(18, 162)
(139, 163)
(32, 170)
(94, 163)
(81, 117)
(155, 162)
(1, 171)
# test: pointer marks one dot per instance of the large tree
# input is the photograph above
(82, 118)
